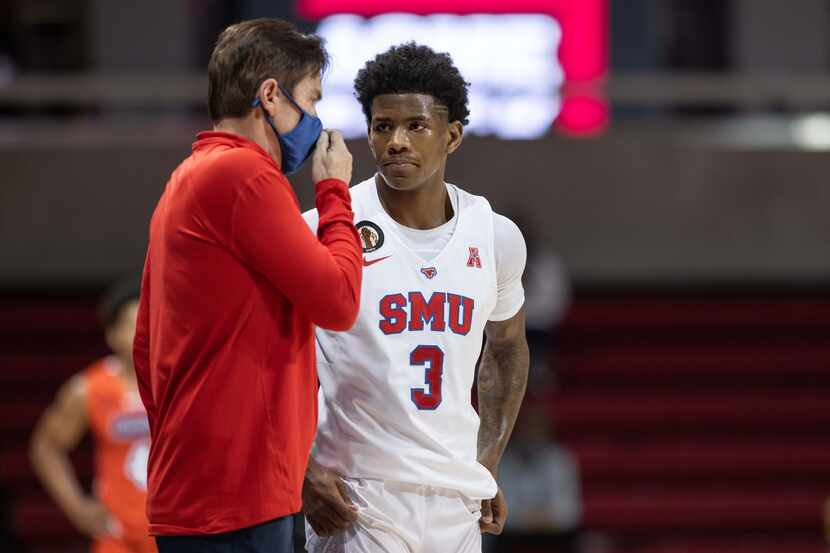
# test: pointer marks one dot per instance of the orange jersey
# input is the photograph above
(122, 444)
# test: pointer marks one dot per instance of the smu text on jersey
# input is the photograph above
(411, 311)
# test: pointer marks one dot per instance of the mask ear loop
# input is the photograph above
(290, 98)
(258, 104)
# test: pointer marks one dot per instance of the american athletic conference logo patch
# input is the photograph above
(371, 237)
(475, 259)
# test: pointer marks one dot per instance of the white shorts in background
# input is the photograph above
(395, 517)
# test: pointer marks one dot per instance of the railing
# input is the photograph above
(793, 92)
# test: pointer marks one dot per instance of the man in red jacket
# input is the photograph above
(233, 285)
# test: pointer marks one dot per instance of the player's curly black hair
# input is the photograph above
(415, 69)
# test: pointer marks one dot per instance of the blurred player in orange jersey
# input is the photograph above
(104, 400)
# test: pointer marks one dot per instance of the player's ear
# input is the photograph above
(369, 139)
(455, 133)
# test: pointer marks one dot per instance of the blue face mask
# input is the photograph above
(298, 144)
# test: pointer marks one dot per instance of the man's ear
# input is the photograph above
(269, 94)
(455, 133)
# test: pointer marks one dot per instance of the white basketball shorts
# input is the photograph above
(395, 517)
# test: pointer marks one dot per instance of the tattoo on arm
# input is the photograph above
(502, 379)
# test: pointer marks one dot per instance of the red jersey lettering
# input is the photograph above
(421, 311)
(393, 313)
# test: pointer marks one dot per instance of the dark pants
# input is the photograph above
(269, 537)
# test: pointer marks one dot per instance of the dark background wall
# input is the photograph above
(632, 205)
(647, 201)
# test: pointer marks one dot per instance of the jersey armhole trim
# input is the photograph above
(510, 314)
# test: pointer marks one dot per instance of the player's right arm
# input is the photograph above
(58, 432)
(326, 503)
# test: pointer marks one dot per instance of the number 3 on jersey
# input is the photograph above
(433, 358)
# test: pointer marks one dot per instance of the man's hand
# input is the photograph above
(91, 517)
(326, 503)
(331, 158)
(493, 514)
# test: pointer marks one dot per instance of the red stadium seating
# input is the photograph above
(747, 544)
(43, 341)
(704, 412)
(630, 311)
(703, 508)
(700, 424)
(676, 461)
(751, 364)
(37, 521)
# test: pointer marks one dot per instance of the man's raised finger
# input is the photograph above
(323, 142)
(336, 138)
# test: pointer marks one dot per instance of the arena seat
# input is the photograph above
(676, 461)
(629, 311)
(700, 424)
(704, 508)
(776, 364)
(750, 543)
(701, 411)
(37, 520)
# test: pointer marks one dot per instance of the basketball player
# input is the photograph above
(402, 462)
(102, 399)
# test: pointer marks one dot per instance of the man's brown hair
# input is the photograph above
(249, 52)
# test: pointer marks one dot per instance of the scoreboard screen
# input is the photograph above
(532, 64)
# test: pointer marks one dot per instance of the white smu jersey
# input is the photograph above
(395, 390)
